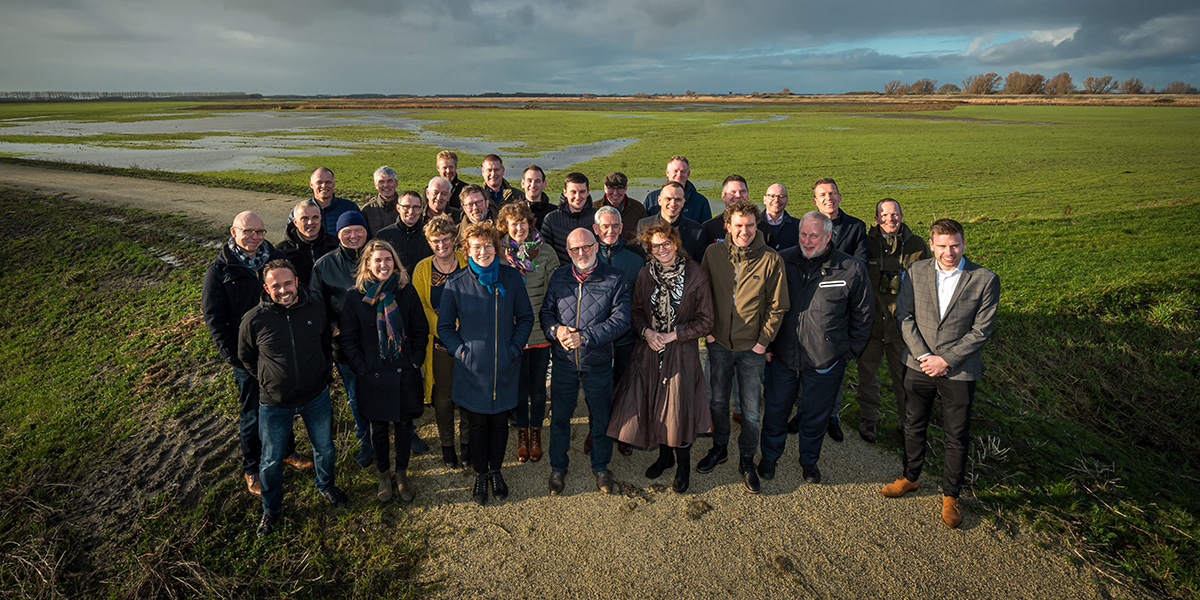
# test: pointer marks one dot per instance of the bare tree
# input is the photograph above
(1179, 87)
(893, 87)
(1059, 85)
(984, 83)
(1099, 85)
(922, 86)
(1024, 83)
(1133, 85)
(949, 88)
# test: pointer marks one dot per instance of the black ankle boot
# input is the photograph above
(683, 473)
(666, 460)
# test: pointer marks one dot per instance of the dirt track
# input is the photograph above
(839, 539)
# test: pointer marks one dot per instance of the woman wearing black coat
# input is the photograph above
(384, 336)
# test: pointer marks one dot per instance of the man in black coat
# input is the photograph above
(670, 204)
(306, 239)
(231, 288)
(575, 212)
(407, 235)
(285, 343)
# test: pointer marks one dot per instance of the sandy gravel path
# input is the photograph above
(840, 539)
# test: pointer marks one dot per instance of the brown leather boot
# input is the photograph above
(535, 444)
(951, 515)
(523, 444)
(898, 488)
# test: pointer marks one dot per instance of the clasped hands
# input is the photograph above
(569, 337)
(657, 341)
(934, 365)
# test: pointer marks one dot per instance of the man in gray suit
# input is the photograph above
(946, 310)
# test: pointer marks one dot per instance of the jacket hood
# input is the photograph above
(753, 251)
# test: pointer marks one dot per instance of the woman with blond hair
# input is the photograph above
(384, 335)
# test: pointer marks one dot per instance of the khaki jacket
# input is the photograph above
(750, 295)
(886, 260)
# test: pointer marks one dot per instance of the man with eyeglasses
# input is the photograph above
(332, 207)
(732, 189)
(232, 286)
(575, 212)
(615, 185)
(438, 196)
(586, 309)
(407, 235)
(306, 240)
(380, 210)
(670, 202)
(475, 206)
(782, 229)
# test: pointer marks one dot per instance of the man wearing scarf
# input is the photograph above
(586, 309)
(231, 288)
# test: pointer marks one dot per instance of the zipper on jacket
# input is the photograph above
(578, 305)
(292, 338)
(495, 343)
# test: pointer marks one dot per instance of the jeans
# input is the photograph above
(247, 386)
(362, 427)
(597, 386)
(816, 404)
(531, 387)
(379, 440)
(747, 366)
(275, 426)
(957, 398)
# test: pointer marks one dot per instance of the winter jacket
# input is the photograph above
(599, 308)
(544, 263)
(849, 236)
(691, 234)
(422, 278)
(388, 390)
(787, 236)
(229, 291)
(630, 260)
(330, 214)
(332, 276)
(409, 242)
(830, 315)
(485, 333)
(560, 223)
(695, 205)
(750, 294)
(287, 350)
(304, 255)
(540, 209)
(506, 195)
(380, 213)
(888, 259)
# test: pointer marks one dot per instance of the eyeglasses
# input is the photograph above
(258, 232)
(580, 250)
(608, 227)
(410, 207)
(662, 246)
(481, 248)
(777, 196)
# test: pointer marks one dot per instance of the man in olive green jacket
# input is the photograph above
(891, 248)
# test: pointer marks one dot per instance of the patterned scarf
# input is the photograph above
(520, 254)
(582, 276)
(488, 277)
(389, 323)
(667, 294)
(256, 262)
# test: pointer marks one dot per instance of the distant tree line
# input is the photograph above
(52, 96)
(1032, 83)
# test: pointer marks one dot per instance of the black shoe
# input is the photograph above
(683, 471)
(835, 430)
(604, 482)
(811, 473)
(266, 525)
(479, 492)
(464, 454)
(710, 461)
(866, 431)
(557, 482)
(666, 460)
(766, 469)
(366, 456)
(417, 445)
(794, 424)
(449, 457)
(335, 496)
(749, 475)
(499, 488)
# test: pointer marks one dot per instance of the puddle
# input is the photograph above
(166, 257)
(749, 121)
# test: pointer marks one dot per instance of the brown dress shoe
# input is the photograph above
(624, 449)
(898, 488)
(951, 515)
(523, 444)
(253, 485)
(299, 461)
(535, 444)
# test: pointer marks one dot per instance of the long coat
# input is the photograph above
(388, 390)
(667, 406)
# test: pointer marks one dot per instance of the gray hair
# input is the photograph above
(302, 204)
(385, 171)
(826, 224)
(439, 179)
(607, 209)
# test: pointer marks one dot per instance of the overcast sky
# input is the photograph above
(621, 46)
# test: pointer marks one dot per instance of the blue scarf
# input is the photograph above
(488, 277)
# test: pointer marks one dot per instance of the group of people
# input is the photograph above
(465, 297)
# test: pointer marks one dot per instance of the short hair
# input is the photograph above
(879, 205)
(946, 227)
(607, 209)
(302, 205)
(826, 222)
(733, 178)
(493, 158)
(682, 159)
(513, 211)
(414, 194)
(362, 272)
(384, 171)
(482, 229)
(741, 207)
(279, 263)
(534, 168)
(321, 169)
(439, 179)
(616, 179)
(576, 177)
(439, 226)
(823, 181)
(471, 189)
(660, 226)
(674, 184)
(447, 155)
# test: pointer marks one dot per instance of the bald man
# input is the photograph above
(232, 286)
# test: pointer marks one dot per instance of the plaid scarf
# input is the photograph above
(256, 262)
(520, 254)
(389, 323)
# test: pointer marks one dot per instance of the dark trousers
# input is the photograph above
(531, 387)
(957, 397)
(868, 378)
(488, 435)
(251, 442)
(817, 392)
(379, 443)
(443, 406)
(597, 384)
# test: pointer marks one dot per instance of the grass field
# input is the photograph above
(1085, 419)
